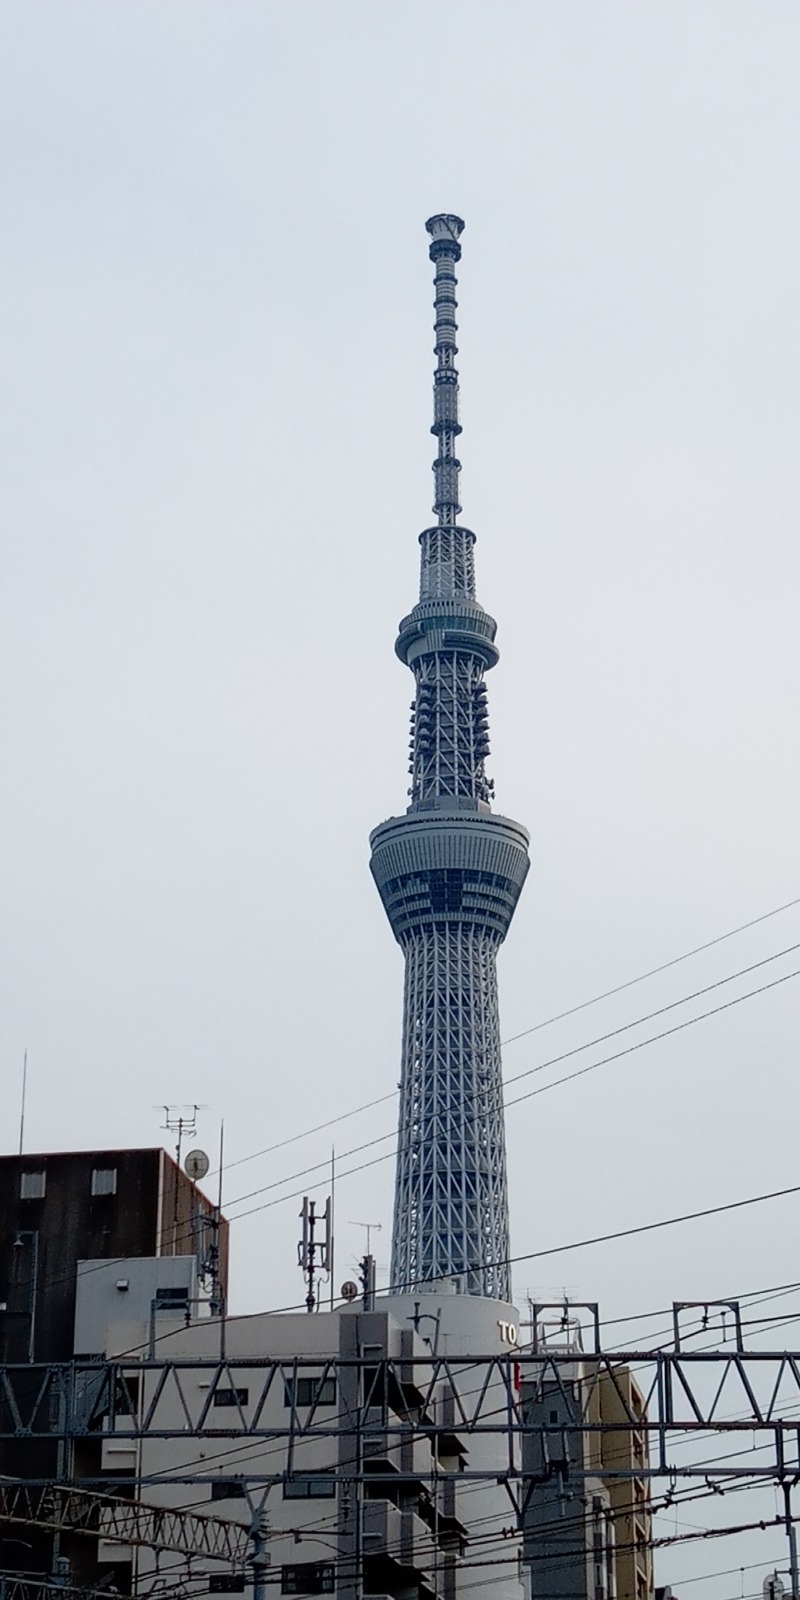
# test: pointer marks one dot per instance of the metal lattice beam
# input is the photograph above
(67, 1510)
(686, 1395)
(13, 1587)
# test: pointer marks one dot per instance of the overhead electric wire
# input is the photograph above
(496, 1537)
(500, 1536)
(643, 1227)
(758, 1296)
(545, 1560)
(560, 1016)
(730, 1572)
(654, 1038)
(638, 1316)
(189, 1232)
(653, 1507)
(553, 1061)
(607, 994)
(249, 1444)
(652, 973)
(581, 1243)
(641, 1044)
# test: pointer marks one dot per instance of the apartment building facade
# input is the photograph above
(587, 1523)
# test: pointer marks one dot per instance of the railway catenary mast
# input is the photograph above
(449, 874)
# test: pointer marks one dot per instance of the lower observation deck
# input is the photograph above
(449, 865)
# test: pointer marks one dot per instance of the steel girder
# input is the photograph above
(13, 1587)
(60, 1509)
(686, 1395)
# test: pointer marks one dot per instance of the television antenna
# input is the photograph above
(181, 1120)
(371, 1227)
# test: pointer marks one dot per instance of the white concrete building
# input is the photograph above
(359, 1497)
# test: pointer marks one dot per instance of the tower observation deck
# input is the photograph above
(449, 873)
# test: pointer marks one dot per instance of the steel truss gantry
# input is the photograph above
(449, 873)
(689, 1396)
(58, 1508)
(13, 1587)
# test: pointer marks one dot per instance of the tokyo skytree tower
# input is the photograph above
(449, 874)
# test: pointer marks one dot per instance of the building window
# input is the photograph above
(309, 1577)
(226, 1583)
(310, 1392)
(104, 1180)
(32, 1185)
(318, 1485)
(126, 1394)
(227, 1489)
(174, 1296)
(231, 1397)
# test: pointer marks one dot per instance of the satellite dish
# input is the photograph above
(196, 1165)
(349, 1290)
(772, 1587)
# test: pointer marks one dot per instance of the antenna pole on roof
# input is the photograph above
(22, 1108)
(331, 1237)
(218, 1303)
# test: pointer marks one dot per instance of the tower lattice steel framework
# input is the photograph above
(449, 874)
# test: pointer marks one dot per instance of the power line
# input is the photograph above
(653, 972)
(556, 1082)
(560, 1016)
(190, 1232)
(553, 1061)
(758, 1296)
(566, 1078)
(653, 1507)
(654, 1038)
(651, 1227)
(661, 1011)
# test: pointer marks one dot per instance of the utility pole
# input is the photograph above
(791, 1534)
(259, 1557)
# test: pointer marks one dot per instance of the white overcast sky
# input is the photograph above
(216, 331)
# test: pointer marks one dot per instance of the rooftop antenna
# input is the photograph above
(312, 1255)
(181, 1120)
(371, 1227)
(217, 1301)
(22, 1108)
(331, 1239)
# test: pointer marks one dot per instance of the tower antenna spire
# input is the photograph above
(445, 250)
